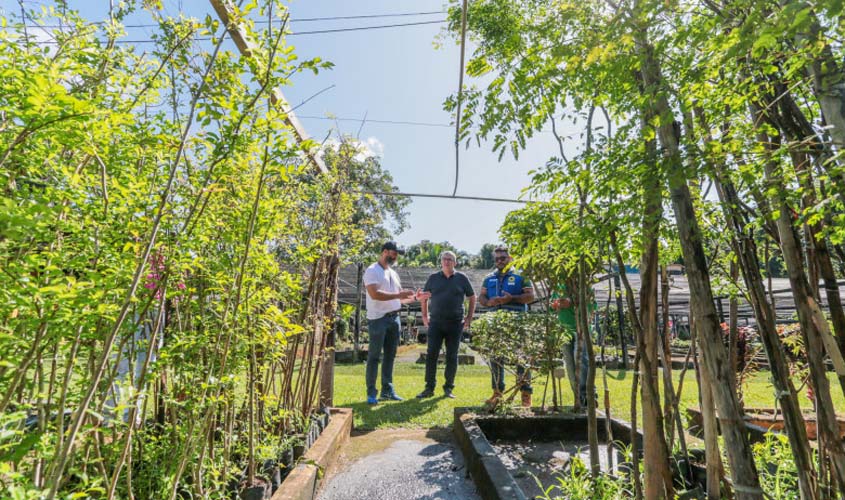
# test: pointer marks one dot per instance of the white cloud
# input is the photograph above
(371, 147)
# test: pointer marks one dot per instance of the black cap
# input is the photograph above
(391, 245)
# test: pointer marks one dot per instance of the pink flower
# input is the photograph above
(180, 286)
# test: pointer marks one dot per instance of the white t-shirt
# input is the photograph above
(387, 281)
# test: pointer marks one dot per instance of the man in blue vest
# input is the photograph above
(505, 289)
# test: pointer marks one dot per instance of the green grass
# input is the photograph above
(472, 387)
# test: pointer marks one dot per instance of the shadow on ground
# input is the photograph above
(391, 413)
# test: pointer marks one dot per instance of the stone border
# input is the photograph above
(489, 474)
(303, 480)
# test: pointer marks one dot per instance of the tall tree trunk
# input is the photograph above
(745, 248)
(733, 317)
(821, 255)
(712, 455)
(744, 472)
(814, 328)
(666, 350)
(658, 473)
(637, 331)
(587, 343)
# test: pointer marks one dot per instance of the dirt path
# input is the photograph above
(399, 464)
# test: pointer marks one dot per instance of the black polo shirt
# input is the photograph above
(447, 295)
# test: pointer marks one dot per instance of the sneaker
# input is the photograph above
(448, 394)
(391, 397)
(371, 400)
(494, 399)
(526, 399)
(425, 394)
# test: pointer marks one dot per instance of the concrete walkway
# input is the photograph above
(399, 464)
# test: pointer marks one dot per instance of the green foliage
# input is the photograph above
(526, 339)
(159, 193)
(376, 216)
(427, 254)
(773, 455)
(579, 484)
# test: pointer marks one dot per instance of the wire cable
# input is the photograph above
(445, 196)
(264, 21)
(300, 33)
(460, 97)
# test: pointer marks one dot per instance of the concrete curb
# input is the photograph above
(491, 478)
(490, 475)
(302, 482)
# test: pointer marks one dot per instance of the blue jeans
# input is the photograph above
(438, 331)
(384, 334)
(497, 376)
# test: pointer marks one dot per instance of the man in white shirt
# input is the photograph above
(385, 297)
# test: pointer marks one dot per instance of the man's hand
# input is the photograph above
(425, 320)
(506, 297)
(420, 295)
(406, 294)
(467, 323)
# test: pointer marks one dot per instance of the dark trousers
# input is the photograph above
(497, 376)
(384, 334)
(438, 332)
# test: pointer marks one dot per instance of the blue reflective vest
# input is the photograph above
(496, 284)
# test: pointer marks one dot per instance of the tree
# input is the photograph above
(427, 254)
(484, 259)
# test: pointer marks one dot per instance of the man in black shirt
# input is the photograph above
(446, 323)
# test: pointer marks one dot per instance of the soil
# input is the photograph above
(533, 461)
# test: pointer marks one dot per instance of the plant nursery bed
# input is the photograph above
(507, 455)
(348, 356)
(303, 480)
(295, 474)
(759, 421)
(463, 359)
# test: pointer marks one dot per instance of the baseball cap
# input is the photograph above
(391, 245)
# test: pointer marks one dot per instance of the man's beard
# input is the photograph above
(390, 260)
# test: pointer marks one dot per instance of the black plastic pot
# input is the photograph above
(298, 451)
(258, 491)
(271, 469)
(285, 458)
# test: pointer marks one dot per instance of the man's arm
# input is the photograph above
(484, 300)
(470, 312)
(376, 294)
(526, 297)
(424, 306)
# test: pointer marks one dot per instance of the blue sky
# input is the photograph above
(393, 74)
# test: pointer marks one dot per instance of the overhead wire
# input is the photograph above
(300, 33)
(264, 21)
(460, 97)
(445, 196)
(412, 123)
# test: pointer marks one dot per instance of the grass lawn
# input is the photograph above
(472, 387)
